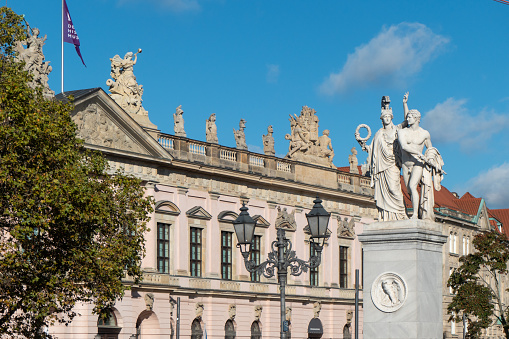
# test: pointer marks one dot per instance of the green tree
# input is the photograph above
(478, 284)
(69, 231)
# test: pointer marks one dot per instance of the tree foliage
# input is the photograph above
(69, 231)
(478, 284)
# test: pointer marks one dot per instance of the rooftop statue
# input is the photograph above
(33, 58)
(211, 129)
(240, 137)
(385, 164)
(325, 144)
(418, 168)
(124, 88)
(178, 122)
(305, 145)
(352, 160)
(268, 142)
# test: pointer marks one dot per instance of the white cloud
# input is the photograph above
(272, 73)
(492, 186)
(173, 5)
(389, 58)
(452, 122)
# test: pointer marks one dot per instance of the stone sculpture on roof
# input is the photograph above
(400, 147)
(325, 144)
(240, 137)
(268, 142)
(33, 58)
(352, 160)
(305, 145)
(178, 122)
(124, 88)
(211, 129)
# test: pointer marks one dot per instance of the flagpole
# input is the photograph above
(62, 73)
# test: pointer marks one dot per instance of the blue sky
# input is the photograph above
(264, 60)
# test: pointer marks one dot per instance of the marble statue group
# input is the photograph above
(398, 150)
(35, 64)
(124, 88)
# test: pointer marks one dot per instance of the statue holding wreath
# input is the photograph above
(385, 163)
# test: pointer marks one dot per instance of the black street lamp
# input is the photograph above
(282, 256)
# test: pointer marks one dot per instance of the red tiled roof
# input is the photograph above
(469, 206)
(443, 198)
(347, 169)
(502, 215)
(467, 196)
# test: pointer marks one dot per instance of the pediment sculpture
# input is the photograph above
(124, 88)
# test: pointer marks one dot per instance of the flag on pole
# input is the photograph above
(70, 34)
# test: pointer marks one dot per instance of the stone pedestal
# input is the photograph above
(402, 279)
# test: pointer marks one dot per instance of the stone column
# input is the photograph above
(402, 279)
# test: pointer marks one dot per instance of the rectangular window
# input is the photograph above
(255, 256)
(163, 248)
(343, 267)
(195, 249)
(226, 255)
(313, 272)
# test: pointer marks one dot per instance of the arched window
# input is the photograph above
(196, 330)
(229, 330)
(256, 332)
(107, 328)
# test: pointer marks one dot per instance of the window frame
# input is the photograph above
(196, 248)
(226, 255)
(343, 266)
(255, 256)
(165, 243)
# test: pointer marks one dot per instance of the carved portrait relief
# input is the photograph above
(388, 292)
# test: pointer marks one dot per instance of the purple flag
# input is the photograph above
(70, 34)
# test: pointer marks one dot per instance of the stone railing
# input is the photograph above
(196, 148)
(284, 166)
(288, 290)
(156, 279)
(166, 142)
(259, 288)
(225, 154)
(229, 286)
(215, 155)
(319, 292)
(203, 284)
(365, 182)
(348, 294)
(256, 161)
(343, 178)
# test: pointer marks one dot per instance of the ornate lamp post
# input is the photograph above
(282, 256)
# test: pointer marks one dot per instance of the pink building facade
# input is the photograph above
(192, 257)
